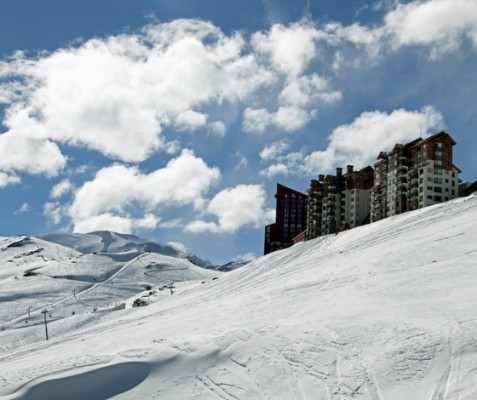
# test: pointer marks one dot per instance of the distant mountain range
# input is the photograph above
(119, 246)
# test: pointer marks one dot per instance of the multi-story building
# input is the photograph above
(357, 197)
(410, 176)
(414, 175)
(290, 219)
(338, 202)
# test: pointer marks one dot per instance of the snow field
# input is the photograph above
(383, 312)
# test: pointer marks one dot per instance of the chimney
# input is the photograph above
(321, 178)
(349, 169)
(339, 171)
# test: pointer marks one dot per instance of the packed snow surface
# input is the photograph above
(383, 312)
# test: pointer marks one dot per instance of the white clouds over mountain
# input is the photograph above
(112, 192)
(169, 103)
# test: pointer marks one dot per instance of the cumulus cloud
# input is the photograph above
(243, 205)
(106, 221)
(54, 212)
(61, 188)
(360, 142)
(116, 95)
(290, 48)
(440, 24)
(31, 153)
(273, 150)
(113, 191)
(190, 120)
(277, 169)
(6, 180)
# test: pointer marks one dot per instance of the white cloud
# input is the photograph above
(234, 208)
(30, 153)
(6, 180)
(273, 150)
(290, 48)
(116, 95)
(217, 128)
(440, 24)
(360, 142)
(304, 90)
(54, 211)
(105, 221)
(25, 207)
(150, 222)
(171, 224)
(61, 188)
(291, 118)
(276, 169)
(190, 120)
(179, 246)
(256, 120)
(113, 191)
(287, 118)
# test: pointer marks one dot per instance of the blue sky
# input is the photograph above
(174, 120)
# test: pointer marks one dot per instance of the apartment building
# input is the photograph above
(338, 202)
(409, 176)
(290, 219)
(414, 175)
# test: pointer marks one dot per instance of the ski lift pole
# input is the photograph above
(46, 325)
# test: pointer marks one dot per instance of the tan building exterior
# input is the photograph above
(414, 175)
(338, 202)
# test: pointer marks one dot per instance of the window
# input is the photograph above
(421, 189)
(438, 162)
(429, 179)
(430, 170)
(429, 197)
(421, 180)
(439, 145)
(437, 180)
(447, 189)
(453, 192)
(429, 188)
(438, 153)
(437, 198)
(447, 180)
(438, 189)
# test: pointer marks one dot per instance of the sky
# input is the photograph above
(175, 120)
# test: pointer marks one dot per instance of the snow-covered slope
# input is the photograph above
(383, 312)
(119, 246)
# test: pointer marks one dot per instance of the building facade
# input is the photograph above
(409, 176)
(338, 202)
(414, 175)
(290, 219)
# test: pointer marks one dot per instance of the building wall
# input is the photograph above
(414, 175)
(410, 176)
(290, 219)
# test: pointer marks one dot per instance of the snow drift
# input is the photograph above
(382, 312)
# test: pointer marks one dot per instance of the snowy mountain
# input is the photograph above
(386, 311)
(118, 246)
